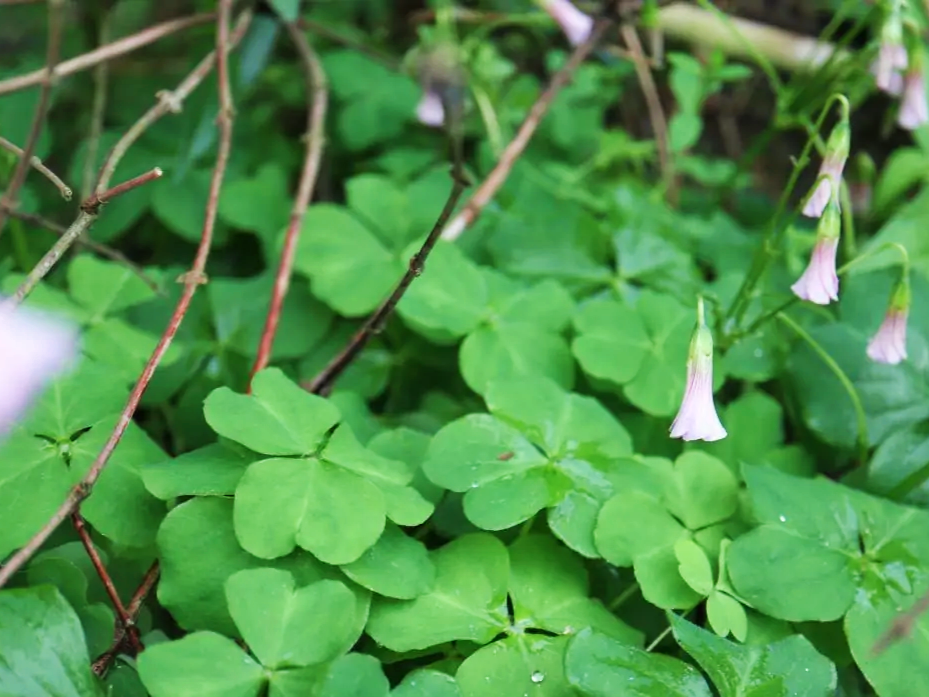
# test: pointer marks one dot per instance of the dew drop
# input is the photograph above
(537, 677)
(783, 519)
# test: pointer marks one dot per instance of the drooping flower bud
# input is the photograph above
(575, 24)
(34, 349)
(430, 111)
(888, 345)
(439, 70)
(697, 418)
(829, 178)
(891, 57)
(913, 108)
(819, 283)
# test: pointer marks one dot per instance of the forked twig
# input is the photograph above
(317, 99)
(113, 50)
(191, 280)
(39, 167)
(55, 27)
(102, 664)
(498, 175)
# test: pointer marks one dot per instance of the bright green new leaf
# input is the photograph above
(397, 566)
(726, 615)
(549, 589)
(285, 626)
(42, 646)
(105, 287)
(597, 665)
(329, 511)
(450, 295)
(658, 573)
(611, 342)
(278, 418)
(516, 666)
(468, 600)
(632, 523)
(701, 490)
(694, 565)
(202, 664)
(789, 667)
(213, 470)
(427, 683)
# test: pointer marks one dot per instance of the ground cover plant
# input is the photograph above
(354, 348)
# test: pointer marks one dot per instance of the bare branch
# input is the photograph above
(105, 53)
(498, 175)
(55, 26)
(39, 167)
(317, 100)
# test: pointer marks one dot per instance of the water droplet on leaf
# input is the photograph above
(537, 677)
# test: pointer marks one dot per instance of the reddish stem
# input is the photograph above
(102, 664)
(317, 98)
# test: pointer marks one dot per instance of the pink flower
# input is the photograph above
(887, 68)
(829, 177)
(819, 283)
(889, 344)
(34, 349)
(430, 110)
(913, 110)
(697, 418)
(575, 24)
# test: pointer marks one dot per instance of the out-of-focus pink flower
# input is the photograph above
(430, 111)
(888, 68)
(829, 177)
(697, 418)
(575, 24)
(913, 109)
(888, 345)
(34, 349)
(819, 283)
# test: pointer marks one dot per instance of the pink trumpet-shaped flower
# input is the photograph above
(34, 349)
(575, 24)
(888, 68)
(697, 418)
(819, 283)
(830, 171)
(430, 111)
(888, 345)
(913, 109)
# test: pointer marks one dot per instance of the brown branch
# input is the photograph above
(317, 99)
(90, 209)
(902, 626)
(514, 149)
(116, 49)
(655, 111)
(55, 26)
(122, 614)
(87, 243)
(102, 664)
(39, 167)
(168, 102)
(191, 281)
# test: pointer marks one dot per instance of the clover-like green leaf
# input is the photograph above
(596, 664)
(278, 418)
(515, 666)
(549, 589)
(289, 627)
(202, 664)
(213, 470)
(105, 287)
(789, 667)
(468, 600)
(43, 646)
(397, 566)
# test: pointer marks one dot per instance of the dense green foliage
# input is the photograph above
(488, 503)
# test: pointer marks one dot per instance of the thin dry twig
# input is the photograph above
(902, 626)
(655, 111)
(122, 614)
(39, 167)
(118, 48)
(97, 111)
(317, 100)
(514, 149)
(90, 209)
(87, 243)
(102, 664)
(18, 178)
(191, 280)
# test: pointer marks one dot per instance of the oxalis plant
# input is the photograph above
(438, 349)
